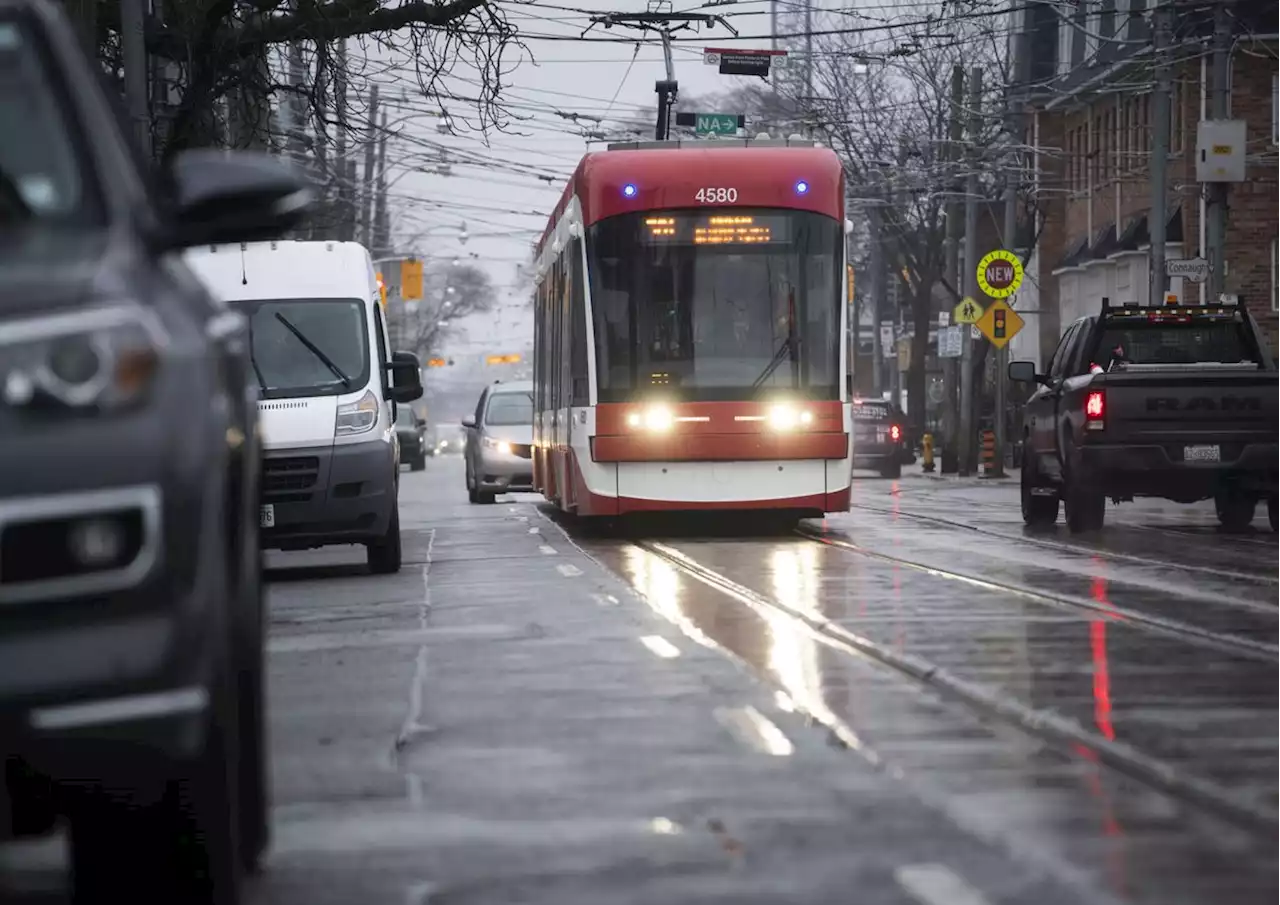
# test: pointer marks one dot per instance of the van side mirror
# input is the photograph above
(1024, 372)
(468, 420)
(406, 377)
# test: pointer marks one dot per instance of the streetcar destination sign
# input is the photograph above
(743, 61)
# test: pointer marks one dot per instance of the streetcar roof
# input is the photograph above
(662, 177)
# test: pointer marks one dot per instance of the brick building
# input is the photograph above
(1084, 76)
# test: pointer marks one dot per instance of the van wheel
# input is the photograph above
(384, 553)
(419, 463)
(891, 469)
(182, 848)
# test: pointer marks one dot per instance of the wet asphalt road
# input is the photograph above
(915, 702)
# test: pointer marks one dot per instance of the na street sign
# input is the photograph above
(718, 123)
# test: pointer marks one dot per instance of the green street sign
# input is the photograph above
(716, 124)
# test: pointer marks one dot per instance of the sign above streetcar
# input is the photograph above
(1000, 274)
(743, 61)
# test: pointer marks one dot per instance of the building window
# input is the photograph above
(1275, 108)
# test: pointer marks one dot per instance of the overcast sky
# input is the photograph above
(554, 82)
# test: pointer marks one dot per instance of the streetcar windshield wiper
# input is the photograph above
(788, 343)
(315, 350)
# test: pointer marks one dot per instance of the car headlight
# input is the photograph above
(357, 417)
(656, 418)
(502, 446)
(105, 358)
(784, 417)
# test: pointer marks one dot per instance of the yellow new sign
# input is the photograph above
(1000, 274)
(967, 312)
(410, 279)
(1000, 323)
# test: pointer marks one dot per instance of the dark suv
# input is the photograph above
(877, 437)
(131, 614)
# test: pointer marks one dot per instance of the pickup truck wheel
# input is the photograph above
(1235, 511)
(891, 469)
(1086, 509)
(419, 463)
(384, 554)
(182, 848)
(1037, 511)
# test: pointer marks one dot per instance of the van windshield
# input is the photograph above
(308, 347)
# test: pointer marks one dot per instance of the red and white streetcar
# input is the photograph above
(689, 347)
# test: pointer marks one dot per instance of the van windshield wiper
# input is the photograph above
(315, 350)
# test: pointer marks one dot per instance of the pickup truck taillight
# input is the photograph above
(895, 433)
(1095, 410)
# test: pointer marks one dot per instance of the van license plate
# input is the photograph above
(267, 516)
(1202, 453)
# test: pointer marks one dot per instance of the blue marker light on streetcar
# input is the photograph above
(802, 187)
(629, 190)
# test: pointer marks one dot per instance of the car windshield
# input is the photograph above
(725, 304)
(45, 181)
(327, 343)
(509, 408)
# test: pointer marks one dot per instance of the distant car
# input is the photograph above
(499, 443)
(413, 438)
(877, 437)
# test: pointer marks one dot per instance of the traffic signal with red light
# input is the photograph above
(998, 323)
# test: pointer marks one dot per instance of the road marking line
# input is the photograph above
(547, 550)
(568, 570)
(605, 599)
(660, 646)
(937, 884)
(412, 724)
(535, 530)
(755, 730)
(420, 893)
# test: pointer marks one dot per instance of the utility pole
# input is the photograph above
(950, 411)
(381, 217)
(370, 165)
(1160, 99)
(1216, 225)
(668, 91)
(970, 272)
(133, 23)
(346, 217)
(875, 264)
(1010, 239)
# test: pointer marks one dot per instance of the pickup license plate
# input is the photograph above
(882, 436)
(1202, 453)
(267, 516)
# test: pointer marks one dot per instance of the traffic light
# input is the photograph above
(998, 323)
(502, 359)
(382, 291)
(437, 362)
(411, 279)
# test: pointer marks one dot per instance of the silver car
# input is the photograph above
(499, 442)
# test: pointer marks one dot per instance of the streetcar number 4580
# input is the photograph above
(716, 196)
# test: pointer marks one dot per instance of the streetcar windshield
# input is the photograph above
(725, 304)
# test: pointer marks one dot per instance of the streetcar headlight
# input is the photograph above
(656, 418)
(785, 417)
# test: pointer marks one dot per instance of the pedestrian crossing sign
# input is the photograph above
(967, 312)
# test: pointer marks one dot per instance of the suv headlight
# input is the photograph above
(357, 417)
(105, 358)
(502, 446)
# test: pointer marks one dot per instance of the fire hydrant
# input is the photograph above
(926, 451)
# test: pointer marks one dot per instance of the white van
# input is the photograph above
(328, 388)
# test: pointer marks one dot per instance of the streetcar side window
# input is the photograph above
(578, 390)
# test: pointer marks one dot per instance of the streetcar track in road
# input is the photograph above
(1048, 544)
(1221, 642)
(1067, 734)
